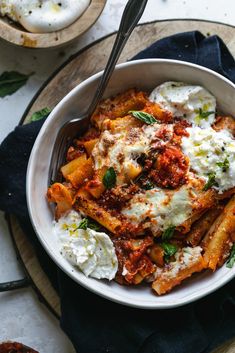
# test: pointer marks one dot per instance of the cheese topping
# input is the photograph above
(211, 153)
(93, 252)
(155, 175)
(121, 150)
(161, 208)
(193, 103)
(184, 258)
(40, 16)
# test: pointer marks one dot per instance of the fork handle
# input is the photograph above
(131, 15)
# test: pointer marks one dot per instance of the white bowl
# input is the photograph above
(144, 74)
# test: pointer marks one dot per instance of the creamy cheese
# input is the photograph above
(184, 258)
(161, 208)
(210, 152)
(121, 150)
(40, 16)
(91, 251)
(186, 101)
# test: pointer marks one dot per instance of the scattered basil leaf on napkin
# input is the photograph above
(145, 117)
(109, 179)
(40, 114)
(11, 81)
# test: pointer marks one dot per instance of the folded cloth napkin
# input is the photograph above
(94, 324)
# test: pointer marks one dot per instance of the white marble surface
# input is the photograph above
(22, 316)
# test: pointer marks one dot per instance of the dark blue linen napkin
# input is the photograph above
(94, 324)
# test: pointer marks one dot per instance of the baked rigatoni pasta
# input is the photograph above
(156, 175)
(219, 239)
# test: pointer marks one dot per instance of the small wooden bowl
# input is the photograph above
(16, 34)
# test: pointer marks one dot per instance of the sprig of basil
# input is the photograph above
(83, 224)
(88, 223)
(40, 114)
(203, 114)
(210, 182)
(231, 260)
(145, 117)
(169, 250)
(168, 233)
(109, 179)
(224, 165)
(11, 81)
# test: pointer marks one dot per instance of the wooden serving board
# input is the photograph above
(85, 63)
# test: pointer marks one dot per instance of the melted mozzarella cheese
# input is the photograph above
(41, 16)
(121, 150)
(161, 208)
(186, 101)
(184, 258)
(207, 149)
(93, 252)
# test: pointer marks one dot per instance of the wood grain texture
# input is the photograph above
(17, 35)
(90, 61)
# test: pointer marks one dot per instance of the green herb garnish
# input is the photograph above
(88, 223)
(109, 179)
(168, 233)
(11, 81)
(210, 182)
(145, 117)
(231, 260)
(224, 165)
(203, 114)
(40, 114)
(93, 225)
(83, 224)
(169, 250)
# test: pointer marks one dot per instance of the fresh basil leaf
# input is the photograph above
(93, 225)
(168, 233)
(210, 182)
(145, 117)
(83, 224)
(109, 179)
(88, 223)
(40, 114)
(224, 165)
(203, 114)
(11, 81)
(231, 260)
(169, 250)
